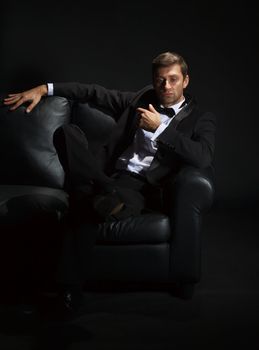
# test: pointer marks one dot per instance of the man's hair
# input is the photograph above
(167, 59)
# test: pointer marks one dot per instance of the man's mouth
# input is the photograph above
(167, 93)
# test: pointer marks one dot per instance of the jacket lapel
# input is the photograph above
(184, 113)
(158, 169)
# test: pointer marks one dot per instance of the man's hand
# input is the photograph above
(33, 96)
(150, 118)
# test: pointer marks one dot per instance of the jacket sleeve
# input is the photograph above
(196, 149)
(113, 101)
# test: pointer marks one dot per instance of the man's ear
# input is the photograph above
(186, 81)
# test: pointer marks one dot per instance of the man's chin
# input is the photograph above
(165, 101)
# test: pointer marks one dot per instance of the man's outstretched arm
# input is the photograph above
(33, 96)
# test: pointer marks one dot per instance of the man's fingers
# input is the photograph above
(11, 102)
(32, 96)
(12, 96)
(31, 106)
(151, 108)
(142, 110)
(13, 99)
(17, 104)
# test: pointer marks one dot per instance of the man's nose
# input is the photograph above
(167, 84)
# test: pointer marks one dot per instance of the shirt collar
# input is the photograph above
(177, 106)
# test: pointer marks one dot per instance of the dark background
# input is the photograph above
(112, 43)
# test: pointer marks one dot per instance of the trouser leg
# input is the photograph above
(81, 167)
(77, 254)
(77, 244)
(69, 267)
(130, 191)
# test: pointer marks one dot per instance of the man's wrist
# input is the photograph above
(43, 90)
(156, 126)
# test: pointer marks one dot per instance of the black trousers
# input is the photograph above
(85, 178)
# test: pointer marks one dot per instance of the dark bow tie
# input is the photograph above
(167, 111)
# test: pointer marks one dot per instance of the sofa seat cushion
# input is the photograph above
(21, 203)
(142, 229)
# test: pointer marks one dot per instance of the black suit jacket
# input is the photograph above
(188, 140)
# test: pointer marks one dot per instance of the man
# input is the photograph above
(159, 130)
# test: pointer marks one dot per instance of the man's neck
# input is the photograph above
(175, 105)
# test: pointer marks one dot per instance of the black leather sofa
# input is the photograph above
(159, 247)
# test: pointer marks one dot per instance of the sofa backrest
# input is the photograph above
(27, 153)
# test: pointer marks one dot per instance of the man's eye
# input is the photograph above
(160, 80)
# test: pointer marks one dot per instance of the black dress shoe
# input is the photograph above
(107, 205)
(68, 306)
(72, 300)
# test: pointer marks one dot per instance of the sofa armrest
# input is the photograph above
(188, 197)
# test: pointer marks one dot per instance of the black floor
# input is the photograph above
(223, 314)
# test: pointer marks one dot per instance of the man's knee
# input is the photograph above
(67, 129)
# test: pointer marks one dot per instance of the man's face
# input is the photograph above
(169, 84)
